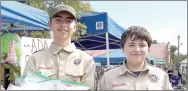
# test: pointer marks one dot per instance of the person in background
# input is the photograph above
(175, 79)
(170, 72)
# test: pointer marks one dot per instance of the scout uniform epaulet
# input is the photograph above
(111, 68)
(37, 51)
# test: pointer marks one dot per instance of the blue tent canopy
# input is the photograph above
(99, 26)
(117, 57)
(23, 15)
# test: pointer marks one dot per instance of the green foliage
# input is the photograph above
(40, 34)
(37, 34)
(173, 49)
(14, 71)
(18, 52)
(81, 30)
(154, 42)
(46, 34)
(36, 3)
(182, 57)
(3, 56)
(175, 59)
(79, 6)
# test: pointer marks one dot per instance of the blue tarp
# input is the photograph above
(117, 57)
(23, 15)
(98, 24)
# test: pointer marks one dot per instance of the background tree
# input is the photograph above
(173, 57)
(154, 42)
(182, 57)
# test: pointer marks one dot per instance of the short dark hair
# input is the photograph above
(138, 33)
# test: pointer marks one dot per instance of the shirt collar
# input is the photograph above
(56, 49)
(124, 68)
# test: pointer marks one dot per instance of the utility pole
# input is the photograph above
(178, 51)
(178, 46)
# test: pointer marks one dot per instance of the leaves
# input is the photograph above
(154, 42)
(7, 66)
(79, 6)
(174, 58)
(37, 3)
(81, 30)
(18, 52)
(13, 71)
(173, 49)
(37, 34)
(3, 56)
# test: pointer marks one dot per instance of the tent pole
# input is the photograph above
(107, 49)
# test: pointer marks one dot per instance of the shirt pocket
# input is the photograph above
(49, 72)
(123, 87)
(74, 76)
(74, 71)
(154, 86)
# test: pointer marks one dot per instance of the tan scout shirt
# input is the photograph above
(63, 62)
(120, 78)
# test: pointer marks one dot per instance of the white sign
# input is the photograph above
(30, 45)
(99, 25)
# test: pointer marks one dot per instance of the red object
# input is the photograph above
(11, 58)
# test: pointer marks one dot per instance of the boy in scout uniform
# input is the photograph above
(62, 60)
(135, 73)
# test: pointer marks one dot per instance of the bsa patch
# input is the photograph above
(77, 61)
(153, 78)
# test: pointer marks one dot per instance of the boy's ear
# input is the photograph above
(49, 23)
(75, 27)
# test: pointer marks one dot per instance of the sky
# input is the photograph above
(165, 20)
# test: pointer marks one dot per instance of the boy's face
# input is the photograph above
(135, 50)
(63, 25)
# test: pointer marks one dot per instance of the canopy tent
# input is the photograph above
(19, 27)
(156, 60)
(23, 16)
(184, 61)
(102, 32)
(183, 66)
(117, 57)
(99, 25)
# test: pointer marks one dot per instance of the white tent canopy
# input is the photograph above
(184, 61)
